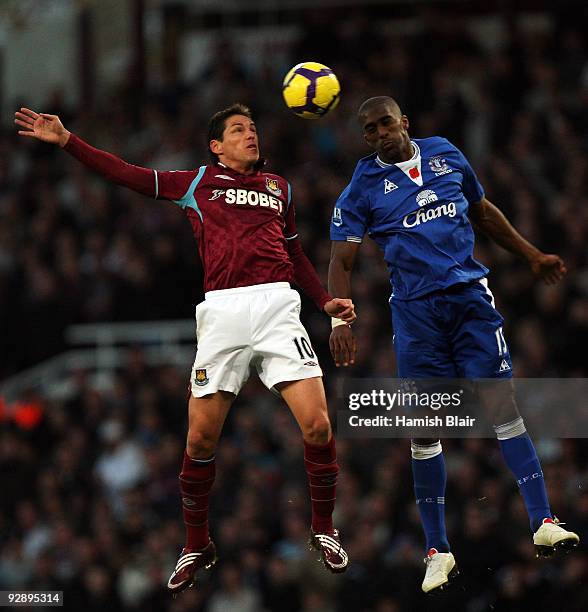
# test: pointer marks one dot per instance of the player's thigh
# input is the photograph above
(480, 348)
(224, 352)
(282, 348)
(206, 417)
(420, 340)
(307, 402)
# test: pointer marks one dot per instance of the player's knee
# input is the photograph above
(506, 413)
(200, 445)
(500, 403)
(318, 431)
(425, 441)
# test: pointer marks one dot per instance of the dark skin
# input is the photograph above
(385, 129)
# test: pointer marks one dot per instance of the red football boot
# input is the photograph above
(333, 555)
(188, 564)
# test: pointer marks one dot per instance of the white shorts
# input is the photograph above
(250, 326)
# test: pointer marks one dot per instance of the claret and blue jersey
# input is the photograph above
(416, 211)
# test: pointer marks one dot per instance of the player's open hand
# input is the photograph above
(41, 126)
(549, 268)
(341, 308)
(343, 345)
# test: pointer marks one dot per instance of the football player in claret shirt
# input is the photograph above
(418, 199)
(243, 221)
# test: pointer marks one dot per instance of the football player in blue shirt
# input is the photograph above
(418, 199)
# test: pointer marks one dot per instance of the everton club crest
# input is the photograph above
(439, 166)
(273, 187)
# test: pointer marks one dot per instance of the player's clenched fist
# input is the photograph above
(549, 268)
(41, 126)
(341, 308)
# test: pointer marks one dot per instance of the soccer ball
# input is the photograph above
(311, 90)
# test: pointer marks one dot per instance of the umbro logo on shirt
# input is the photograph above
(389, 186)
(224, 176)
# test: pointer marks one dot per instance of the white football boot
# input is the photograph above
(551, 538)
(441, 569)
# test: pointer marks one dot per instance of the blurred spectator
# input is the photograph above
(233, 595)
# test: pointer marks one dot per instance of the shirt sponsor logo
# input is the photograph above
(252, 198)
(427, 196)
(439, 166)
(272, 186)
(389, 186)
(337, 221)
(424, 216)
(217, 193)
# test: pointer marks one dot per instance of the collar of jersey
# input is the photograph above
(258, 167)
(404, 164)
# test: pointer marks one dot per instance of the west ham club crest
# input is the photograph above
(273, 187)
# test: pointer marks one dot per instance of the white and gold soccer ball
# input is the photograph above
(311, 90)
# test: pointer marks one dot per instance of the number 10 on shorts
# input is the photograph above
(303, 346)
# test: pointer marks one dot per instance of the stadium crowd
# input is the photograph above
(89, 497)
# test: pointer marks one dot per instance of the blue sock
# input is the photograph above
(520, 456)
(430, 477)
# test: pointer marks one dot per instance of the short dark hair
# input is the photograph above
(376, 101)
(217, 124)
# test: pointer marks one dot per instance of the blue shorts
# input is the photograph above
(453, 333)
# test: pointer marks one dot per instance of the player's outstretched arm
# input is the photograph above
(342, 342)
(492, 222)
(48, 128)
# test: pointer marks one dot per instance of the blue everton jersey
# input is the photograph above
(416, 211)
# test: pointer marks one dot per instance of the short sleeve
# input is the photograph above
(471, 186)
(351, 215)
